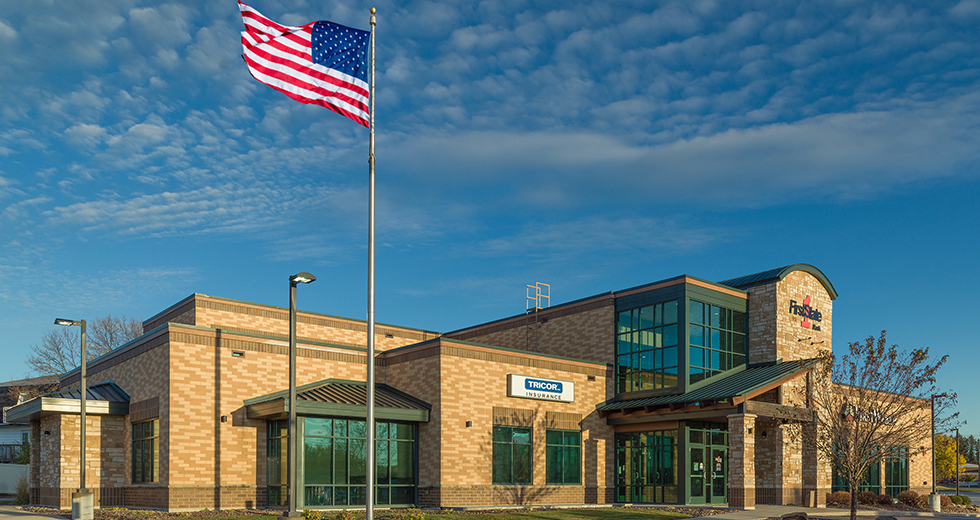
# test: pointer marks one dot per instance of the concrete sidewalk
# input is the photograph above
(767, 511)
(12, 513)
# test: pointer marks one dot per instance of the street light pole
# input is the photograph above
(956, 460)
(934, 502)
(85, 500)
(291, 446)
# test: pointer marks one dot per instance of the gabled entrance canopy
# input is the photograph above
(340, 398)
(730, 394)
(105, 398)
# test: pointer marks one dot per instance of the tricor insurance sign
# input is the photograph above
(538, 388)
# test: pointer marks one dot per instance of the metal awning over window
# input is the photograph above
(105, 398)
(340, 398)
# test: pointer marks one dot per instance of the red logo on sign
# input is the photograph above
(806, 315)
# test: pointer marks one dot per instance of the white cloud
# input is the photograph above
(7, 33)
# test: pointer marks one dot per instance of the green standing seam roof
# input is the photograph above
(738, 384)
(104, 391)
(343, 397)
(774, 275)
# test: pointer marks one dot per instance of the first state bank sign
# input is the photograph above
(537, 388)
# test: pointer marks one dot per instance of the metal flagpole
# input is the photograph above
(369, 509)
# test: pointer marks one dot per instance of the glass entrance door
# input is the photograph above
(707, 463)
(697, 471)
(719, 474)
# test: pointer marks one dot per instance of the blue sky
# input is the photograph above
(590, 145)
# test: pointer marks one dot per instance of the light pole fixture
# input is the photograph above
(85, 501)
(291, 444)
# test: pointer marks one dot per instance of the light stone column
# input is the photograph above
(817, 473)
(741, 461)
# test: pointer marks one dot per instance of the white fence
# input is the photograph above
(10, 474)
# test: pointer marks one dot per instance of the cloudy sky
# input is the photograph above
(590, 145)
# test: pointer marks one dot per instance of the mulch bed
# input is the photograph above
(119, 513)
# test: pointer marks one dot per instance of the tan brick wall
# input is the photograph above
(268, 320)
(471, 381)
(221, 465)
(587, 332)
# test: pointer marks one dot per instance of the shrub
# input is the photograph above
(867, 498)
(961, 500)
(413, 514)
(344, 515)
(840, 498)
(885, 500)
(945, 501)
(909, 498)
(312, 514)
(21, 492)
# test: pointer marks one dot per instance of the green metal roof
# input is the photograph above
(339, 397)
(737, 384)
(774, 275)
(105, 398)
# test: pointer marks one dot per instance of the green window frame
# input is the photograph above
(647, 467)
(646, 347)
(896, 471)
(335, 468)
(563, 458)
(716, 340)
(146, 452)
(276, 464)
(512, 462)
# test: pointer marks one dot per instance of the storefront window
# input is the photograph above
(335, 468)
(897, 471)
(646, 467)
(646, 352)
(275, 467)
(716, 338)
(564, 456)
(146, 451)
(511, 455)
(870, 481)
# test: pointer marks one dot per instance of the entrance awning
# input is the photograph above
(105, 398)
(340, 398)
(730, 394)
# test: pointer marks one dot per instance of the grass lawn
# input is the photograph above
(552, 514)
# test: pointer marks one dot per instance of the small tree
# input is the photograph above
(946, 457)
(872, 403)
(23, 453)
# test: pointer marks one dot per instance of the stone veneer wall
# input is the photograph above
(788, 471)
(56, 472)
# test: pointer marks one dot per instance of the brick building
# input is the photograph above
(679, 391)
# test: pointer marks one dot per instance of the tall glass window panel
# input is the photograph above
(717, 340)
(563, 456)
(511, 455)
(146, 451)
(646, 467)
(646, 348)
(335, 468)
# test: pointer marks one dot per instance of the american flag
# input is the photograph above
(322, 63)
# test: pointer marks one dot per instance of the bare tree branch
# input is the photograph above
(60, 352)
(874, 403)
